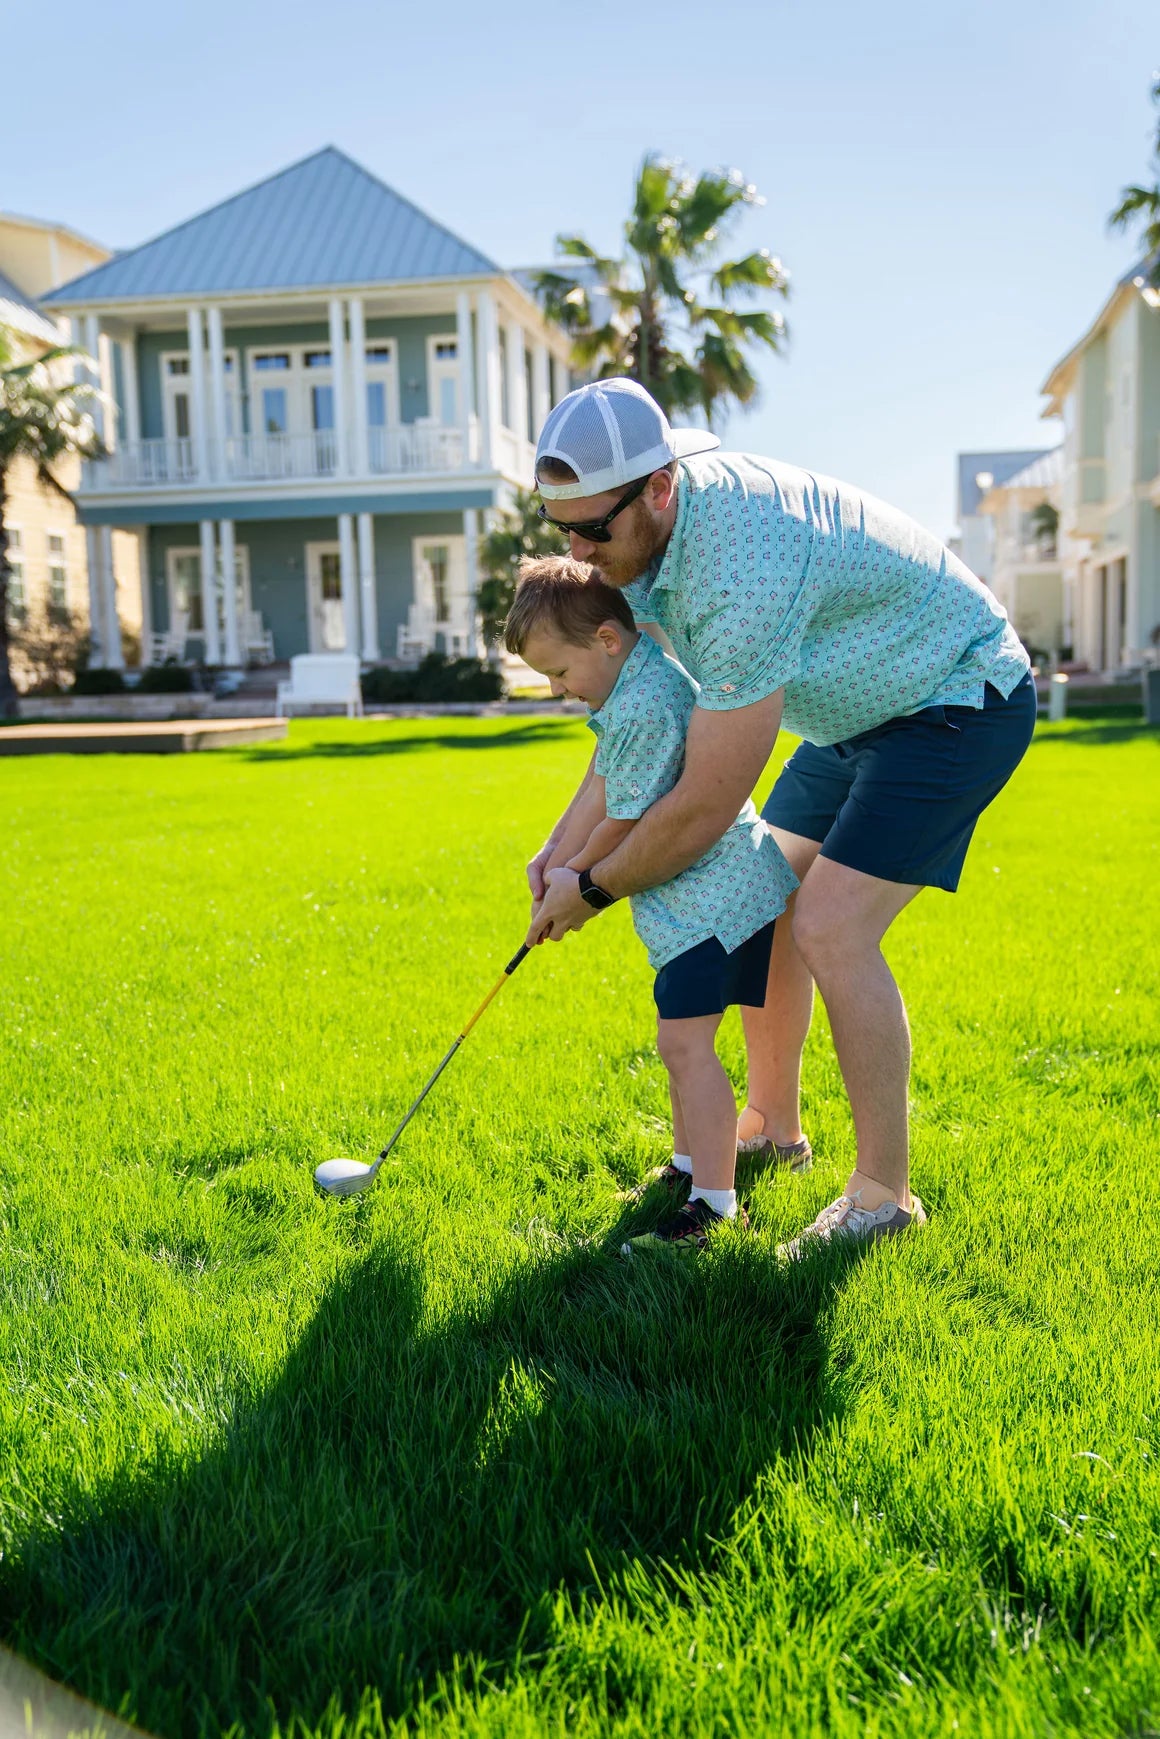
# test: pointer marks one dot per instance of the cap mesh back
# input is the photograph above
(582, 437)
(636, 419)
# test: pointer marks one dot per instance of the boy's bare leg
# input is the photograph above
(775, 1034)
(680, 1133)
(708, 1108)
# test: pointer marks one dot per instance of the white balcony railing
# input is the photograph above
(399, 450)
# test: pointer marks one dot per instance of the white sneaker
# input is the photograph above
(846, 1222)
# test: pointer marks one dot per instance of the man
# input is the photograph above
(794, 599)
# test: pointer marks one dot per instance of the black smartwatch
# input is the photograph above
(594, 896)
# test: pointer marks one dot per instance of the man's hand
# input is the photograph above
(536, 869)
(560, 910)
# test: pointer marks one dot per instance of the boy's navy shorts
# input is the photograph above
(707, 979)
(901, 801)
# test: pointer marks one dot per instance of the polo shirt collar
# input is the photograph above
(629, 670)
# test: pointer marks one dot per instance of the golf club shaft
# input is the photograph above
(495, 989)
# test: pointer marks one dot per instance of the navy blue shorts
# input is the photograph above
(708, 980)
(901, 801)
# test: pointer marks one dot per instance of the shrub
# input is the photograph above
(166, 679)
(438, 678)
(99, 682)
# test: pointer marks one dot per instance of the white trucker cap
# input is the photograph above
(611, 432)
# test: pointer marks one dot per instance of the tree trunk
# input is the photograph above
(8, 696)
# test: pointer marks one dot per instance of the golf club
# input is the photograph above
(345, 1177)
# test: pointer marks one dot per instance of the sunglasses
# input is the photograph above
(594, 530)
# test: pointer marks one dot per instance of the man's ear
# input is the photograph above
(662, 486)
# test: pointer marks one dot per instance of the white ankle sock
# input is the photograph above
(683, 1162)
(723, 1202)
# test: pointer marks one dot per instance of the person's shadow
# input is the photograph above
(425, 1480)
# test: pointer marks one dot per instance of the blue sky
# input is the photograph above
(937, 176)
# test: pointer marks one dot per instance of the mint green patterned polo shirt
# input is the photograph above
(741, 882)
(774, 578)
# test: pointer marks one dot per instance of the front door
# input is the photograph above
(324, 598)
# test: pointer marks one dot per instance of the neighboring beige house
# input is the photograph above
(1107, 390)
(47, 548)
(1027, 570)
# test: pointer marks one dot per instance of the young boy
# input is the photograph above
(708, 931)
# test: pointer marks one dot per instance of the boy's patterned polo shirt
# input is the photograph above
(741, 882)
(774, 578)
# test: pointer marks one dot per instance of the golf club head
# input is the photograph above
(344, 1177)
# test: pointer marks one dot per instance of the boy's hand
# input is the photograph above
(560, 910)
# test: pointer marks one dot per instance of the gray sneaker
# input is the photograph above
(845, 1222)
(798, 1157)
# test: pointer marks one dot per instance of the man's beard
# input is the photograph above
(629, 560)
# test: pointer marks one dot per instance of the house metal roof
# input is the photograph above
(1042, 473)
(17, 312)
(324, 222)
(1002, 467)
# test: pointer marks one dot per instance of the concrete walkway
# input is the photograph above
(158, 737)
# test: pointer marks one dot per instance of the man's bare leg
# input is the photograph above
(840, 919)
(775, 1034)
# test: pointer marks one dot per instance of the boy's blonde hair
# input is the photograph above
(565, 595)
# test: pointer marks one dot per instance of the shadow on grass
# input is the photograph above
(1092, 735)
(414, 1491)
(512, 737)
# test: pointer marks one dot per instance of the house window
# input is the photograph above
(185, 589)
(271, 362)
(57, 575)
(17, 593)
(317, 359)
(439, 563)
(443, 380)
(382, 386)
(177, 364)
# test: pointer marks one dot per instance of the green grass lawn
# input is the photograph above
(434, 1460)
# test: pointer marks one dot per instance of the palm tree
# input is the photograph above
(673, 322)
(1138, 202)
(43, 421)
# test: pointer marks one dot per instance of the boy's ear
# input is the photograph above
(611, 637)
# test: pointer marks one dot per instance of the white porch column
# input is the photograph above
(349, 580)
(217, 391)
(358, 386)
(209, 592)
(471, 546)
(465, 351)
(490, 396)
(114, 651)
(338, 376)
(366, 585)
(108, 383)
(559, 380)
(97, 615)
(232, 650)
(541, 388)
(141, 538)
(92, 344)
(517, 380)
(199, 431)
(131, 390)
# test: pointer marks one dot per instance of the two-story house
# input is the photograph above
(1107, 391)
(316, 394)
(1027, 554)
(48, 581)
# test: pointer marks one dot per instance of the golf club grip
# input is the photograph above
(515, 960)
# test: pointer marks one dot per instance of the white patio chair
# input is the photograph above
(322, 679)
(259, 646)
(416, 637)
(171, 644)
